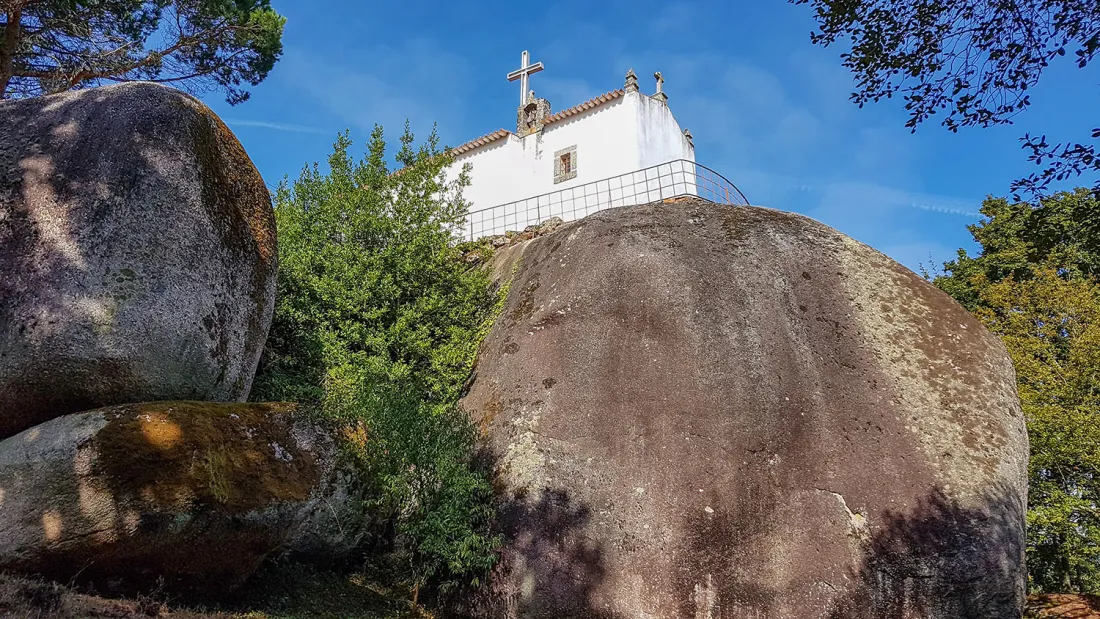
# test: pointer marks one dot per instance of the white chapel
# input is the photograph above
(611, 150)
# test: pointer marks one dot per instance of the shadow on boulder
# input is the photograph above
(943, 560)
(190, 497)
(939, 560)
(548, 569)
(137, 254)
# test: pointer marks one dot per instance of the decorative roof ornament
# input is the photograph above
(531, 115)
(660, 94)
(631, 81)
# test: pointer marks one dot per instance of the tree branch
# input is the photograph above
(61, 45)
(9, 6)
(120, 71)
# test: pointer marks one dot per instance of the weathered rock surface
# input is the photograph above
(194, 493)
(704, 411)
(137, 254)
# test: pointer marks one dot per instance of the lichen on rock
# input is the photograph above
(137, 254)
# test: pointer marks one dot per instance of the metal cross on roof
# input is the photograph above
(523, 74)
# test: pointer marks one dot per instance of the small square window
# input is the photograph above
(565, 164)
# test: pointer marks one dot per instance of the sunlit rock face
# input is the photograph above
(137, 254)
(703, 411)
(189, 497)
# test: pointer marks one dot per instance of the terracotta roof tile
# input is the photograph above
(562, 115)
(587, 105)
(468, 146)
(481, 141)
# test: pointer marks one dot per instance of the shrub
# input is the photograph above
(377, 323)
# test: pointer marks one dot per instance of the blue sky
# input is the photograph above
(768, 109)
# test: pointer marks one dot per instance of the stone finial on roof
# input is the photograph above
(532, 115)
(690, 138)
(660, 94)
(631, 81)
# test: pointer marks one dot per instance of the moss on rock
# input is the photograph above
(190, 497)
(238, 457)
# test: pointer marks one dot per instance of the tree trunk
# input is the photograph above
(9, 47)
(1067, 585)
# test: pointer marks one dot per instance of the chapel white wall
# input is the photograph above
(659, 136)
(517, 168)
(621, 136)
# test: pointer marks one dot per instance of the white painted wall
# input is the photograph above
(618, 137)
(660, 138)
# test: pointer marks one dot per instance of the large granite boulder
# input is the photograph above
(137, 254)
(188, 496)
(702, 411)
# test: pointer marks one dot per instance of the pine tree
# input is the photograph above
(49, 46)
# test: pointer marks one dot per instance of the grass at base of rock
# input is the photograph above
(294, 591)
(291, 592)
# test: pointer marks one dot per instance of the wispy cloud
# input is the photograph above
(419, 81)
(783, 129)
(946, 210)
(263, 124)
(858, 197)
(867, 203)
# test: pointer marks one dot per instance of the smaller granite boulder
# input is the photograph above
(189, 495)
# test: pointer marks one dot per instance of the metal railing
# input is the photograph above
(673, 179)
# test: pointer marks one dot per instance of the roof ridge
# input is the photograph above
(587, 105)
(480, 141)
(493, 136)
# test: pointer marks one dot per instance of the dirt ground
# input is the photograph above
(306, 595)
(321, 596)
(1063, 606)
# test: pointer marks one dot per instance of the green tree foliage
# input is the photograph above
(49, 46)
(1018, 236)
(420, 477)
(1050, 324)
(377, 324)
(1035, 283)
(971, 61)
